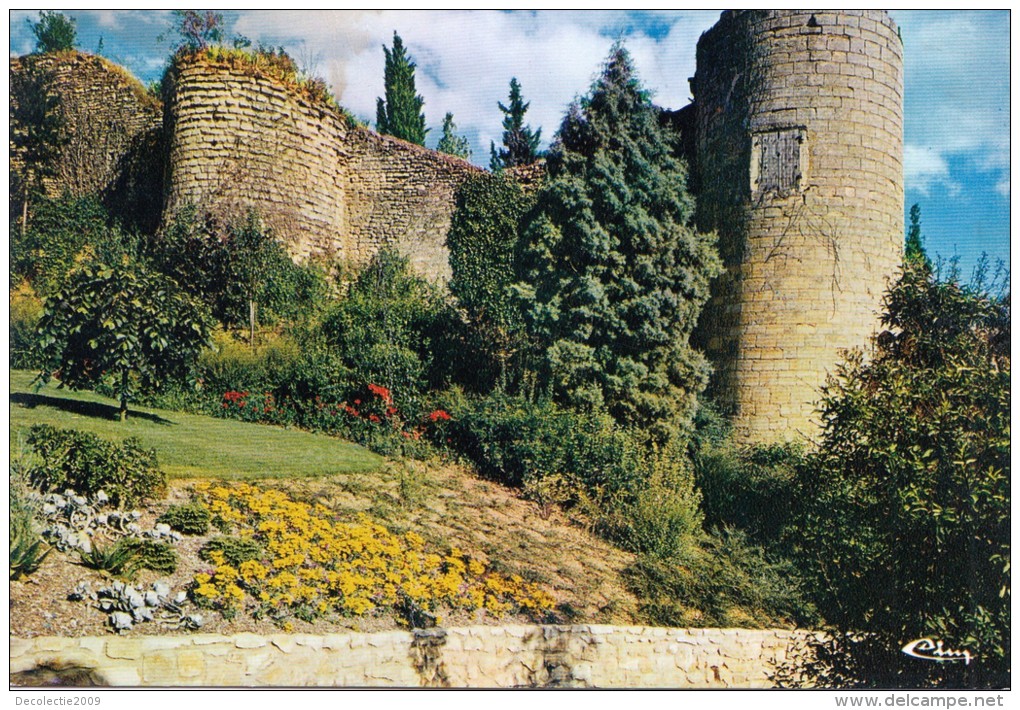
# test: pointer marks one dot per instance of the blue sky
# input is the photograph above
(957, 78)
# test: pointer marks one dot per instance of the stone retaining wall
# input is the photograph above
(481, 656)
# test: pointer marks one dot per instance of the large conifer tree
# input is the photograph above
(520, 145)
(614, 274)
(400, 114)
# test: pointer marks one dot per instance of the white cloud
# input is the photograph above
(924, 168)
(465, 59)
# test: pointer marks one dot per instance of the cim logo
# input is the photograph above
(929, 650)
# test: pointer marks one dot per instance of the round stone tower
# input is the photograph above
(799, 147)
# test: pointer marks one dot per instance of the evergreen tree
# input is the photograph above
(614, 274)
(914, 249)
(400, 113)
(520, 144)
(452, 144)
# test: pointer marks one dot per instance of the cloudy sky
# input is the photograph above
(957, 82)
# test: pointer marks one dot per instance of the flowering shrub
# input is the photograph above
(314, 565)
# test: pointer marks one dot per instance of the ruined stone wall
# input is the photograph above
(799, 151)
(402, 195)
(478, 657)
(240, 140)
(107, 141)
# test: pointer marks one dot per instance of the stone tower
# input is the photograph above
(798, 154)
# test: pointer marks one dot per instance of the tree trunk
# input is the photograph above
(24, 217)
(251, 322)
(122, 415)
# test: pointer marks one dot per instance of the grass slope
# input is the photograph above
(188, 445)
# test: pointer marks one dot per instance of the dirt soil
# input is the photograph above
(444, 503)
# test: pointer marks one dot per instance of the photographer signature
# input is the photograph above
(930, 650)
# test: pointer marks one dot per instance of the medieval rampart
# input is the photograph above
(799, 137)
(241, 140)
(478, 657)
(102, 131)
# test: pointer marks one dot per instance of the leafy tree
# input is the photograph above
(914, 246)
(452, 144)
(195, 30)
(907, 500)
(252, 251)
(400, 114)
(614, 275)
(54, 32)
(520, 145)
(118, 320)
(483, 241)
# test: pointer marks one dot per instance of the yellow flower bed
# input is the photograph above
(314, 565)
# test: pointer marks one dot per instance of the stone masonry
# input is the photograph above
(799, 145)
(795, 141)
(478, 657)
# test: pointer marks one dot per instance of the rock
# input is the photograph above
(101, 497)
(181, 598)
(195, 621)
(134, 528)
(151, 599)
(120, 621)
(161, 589)
(135, 598)
(161, 530)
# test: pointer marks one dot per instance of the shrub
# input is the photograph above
(232, 550)
(752, 489)
(26, 309)
(190, 518)
(907, 520)
(87, 464)
(27, 549)
(154, 555)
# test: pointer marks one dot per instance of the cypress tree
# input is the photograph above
(520, 144)
(400, 114)
(614, 274)
(452, 144)
(914, 247)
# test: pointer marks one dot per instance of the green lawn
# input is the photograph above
(188, 445)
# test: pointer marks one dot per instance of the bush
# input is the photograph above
(752, 489)
(388, 329)
(154, 555)
(232, 550)
(190, 518)
(119, 559)
(26, 309)
(27, 549)
(907, 520)
(88, 464)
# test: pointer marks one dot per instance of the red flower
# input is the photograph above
(357, 401)
(439, 415)
(390, 411)
(374, 418)
(381, 392)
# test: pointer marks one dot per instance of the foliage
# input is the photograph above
(752, 489)
(400, 114)
(520, 144)
(451, 143)
(914, 249)
(27, 549)
(906, 528)
(389, 330)
(315, 566)
(119, 320)
(88, 464)
(234, 267)
(64, 232)
(483, 241)
(54, 32)
(26, 310)
(230, 549)
(153, 554)
(195, 30)
(614, 276)
(190, 518)
(119, 559)
(37, 133)
(722, 580)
